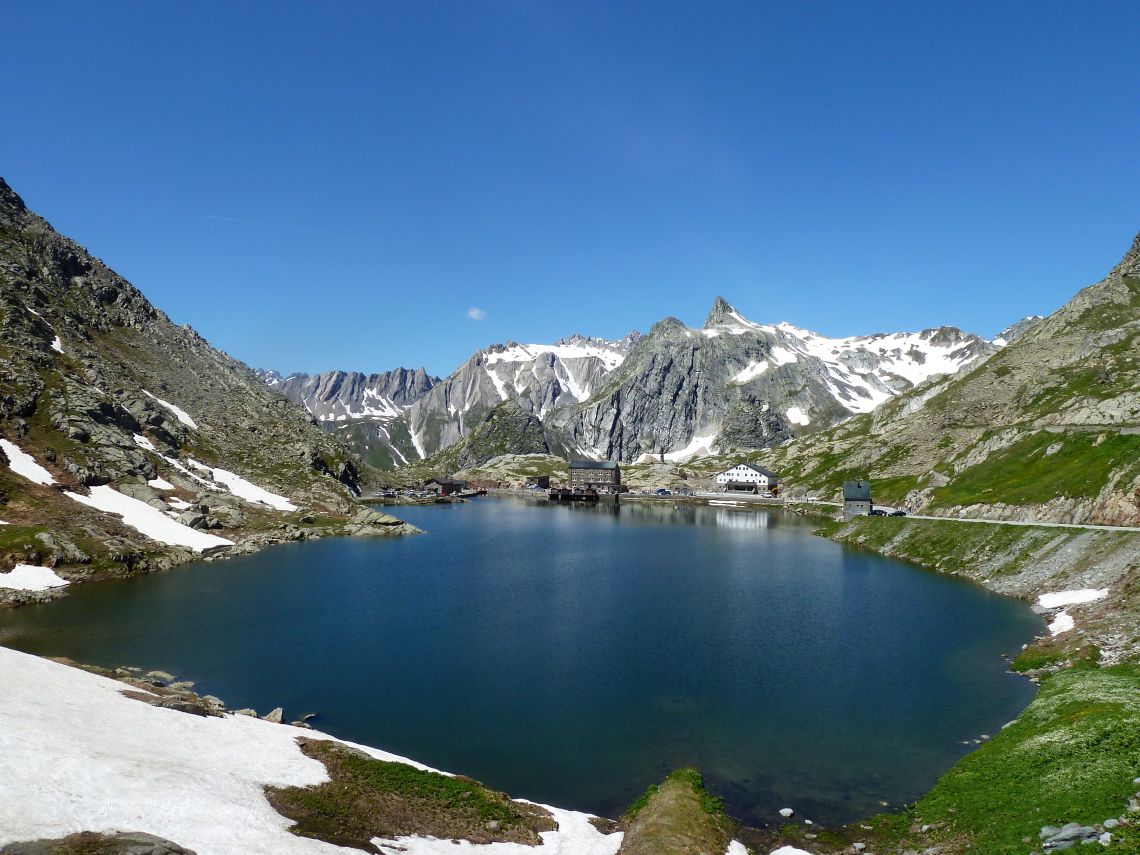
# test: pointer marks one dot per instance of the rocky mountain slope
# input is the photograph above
(735, 384)
(128, 441)
(540, 378)
(1047, 429)
(361, 410)
(676, 393)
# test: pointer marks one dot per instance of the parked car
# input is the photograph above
(876, 512)
(899, 514)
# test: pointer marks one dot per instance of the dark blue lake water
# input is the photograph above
(575, 656)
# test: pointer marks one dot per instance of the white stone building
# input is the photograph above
(748, 477)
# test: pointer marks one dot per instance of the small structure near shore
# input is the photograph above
(445, 486)
(594, 475)
(746, 477)
(856, 499)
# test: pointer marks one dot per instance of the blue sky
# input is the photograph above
(336, 186)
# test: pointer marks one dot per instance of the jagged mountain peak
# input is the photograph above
(721, 312)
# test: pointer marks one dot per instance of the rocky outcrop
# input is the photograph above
(1047, 429)
(734, 384)
(336, 396)
(101, 388)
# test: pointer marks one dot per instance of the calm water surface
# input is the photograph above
(575, 656)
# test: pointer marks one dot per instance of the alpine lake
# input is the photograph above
(575, 655)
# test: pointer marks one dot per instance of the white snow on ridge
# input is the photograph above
(1070, 598)
(76, 754)
(244, 489)
(27, 577)
(527, 352)
(25, 465)
(57, 344)
(147, 520)
(179, 413)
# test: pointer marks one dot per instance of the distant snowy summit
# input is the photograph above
(676, 392)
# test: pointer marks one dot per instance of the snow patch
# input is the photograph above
(574, 836)
(788, 850)
(1062, 623)
(736, 848)
(142, 442)
(25, 465)
(27, 577)
(147, 520)
(699, 446)
(500, 387)
(160, 484)
(76, 754)
(1070, 598)
(57, 344)
(783, 356)
(754, 370)
(244, 489)
(179, 413)
(797, 416)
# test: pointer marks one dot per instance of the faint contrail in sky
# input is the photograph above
(274, 226)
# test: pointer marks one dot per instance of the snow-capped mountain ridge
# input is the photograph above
(770, 381)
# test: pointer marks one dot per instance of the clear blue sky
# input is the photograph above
(316, 186)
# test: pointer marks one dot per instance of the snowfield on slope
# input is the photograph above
(25, 465)
(76, 755)
(179, 413)
(242, 488)
(147, 520)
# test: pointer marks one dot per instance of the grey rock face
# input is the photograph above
(734, 384)
(343, 395)
(100, 387)
(540, 378)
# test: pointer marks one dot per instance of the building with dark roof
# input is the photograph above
(856, 498)
(748, 477)
(594, 474)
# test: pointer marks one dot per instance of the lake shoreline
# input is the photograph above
(852, 535)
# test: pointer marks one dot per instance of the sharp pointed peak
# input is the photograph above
(721, 312)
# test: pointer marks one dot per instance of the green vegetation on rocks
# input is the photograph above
(677, 817)
(367, 798)
(1070, 757)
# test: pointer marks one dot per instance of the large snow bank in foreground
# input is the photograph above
(26, 577)
(75, 755)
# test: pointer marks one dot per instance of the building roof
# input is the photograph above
(593, 464)
(446, 482)
(856, 491)
(754, 467)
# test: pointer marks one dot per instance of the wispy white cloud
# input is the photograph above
(476, 314)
